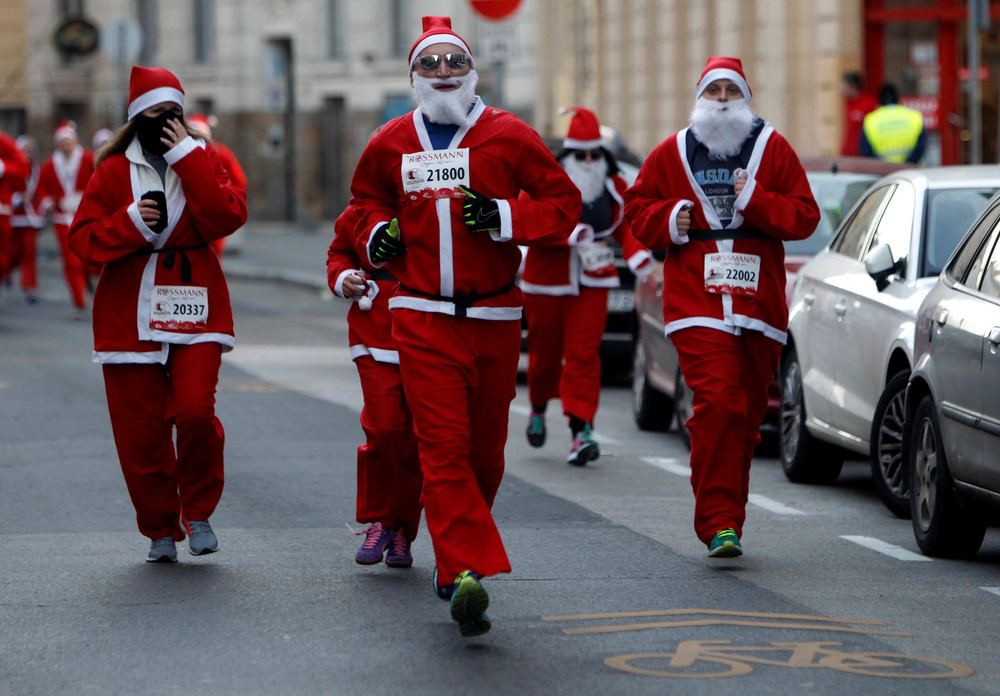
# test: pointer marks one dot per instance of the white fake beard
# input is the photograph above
(722, 127)
(589, 177)
(451, 107)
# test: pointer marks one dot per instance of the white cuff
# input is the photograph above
(640, 263)
(675, 235)
(133, 212)
(506, 232)
(184, 147)
(582, 235)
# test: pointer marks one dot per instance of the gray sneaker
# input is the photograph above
(162, 550)
(201, 538)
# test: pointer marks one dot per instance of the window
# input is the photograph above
(966, 256)
(895, 227)
(950, 213)
(989, 284)
(853, 235)
(204, 30)
(334, 29)
(69, 8)
(402, 32)
(149, 22)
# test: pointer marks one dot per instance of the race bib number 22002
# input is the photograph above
(435, 173)
(732, 274)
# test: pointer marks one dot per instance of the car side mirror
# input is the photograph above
(881, 265)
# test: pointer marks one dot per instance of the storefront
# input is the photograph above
(922, 47)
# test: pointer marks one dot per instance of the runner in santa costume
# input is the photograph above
(437, 192)
(720, 197)
(389, 478)
(61, 182)
(162, 317)
(25, 223)
(566, 291)
(14, 172)
(201, 123)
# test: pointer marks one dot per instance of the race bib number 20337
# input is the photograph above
(435, 173)
(178, 307)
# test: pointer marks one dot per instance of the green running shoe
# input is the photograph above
(725, 544)
(468, 605)
(536, 429)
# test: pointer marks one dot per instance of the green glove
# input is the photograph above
(385, 243)
(481, 214)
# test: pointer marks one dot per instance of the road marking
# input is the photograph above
(669, 464)
(897, 552)
(599, 437)
(992, 590)
(773, 505)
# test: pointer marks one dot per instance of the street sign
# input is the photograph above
(497, 41)
(121, 40)
(495, 9)
(76, 37)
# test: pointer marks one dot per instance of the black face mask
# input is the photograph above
(149, 130)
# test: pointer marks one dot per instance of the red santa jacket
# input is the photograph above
(499, 156)
(22, 204)
(556, 269)
(776, 201)
(369, 330)
(144, 272)
(61, 183)
(15, 168)
(232, 165)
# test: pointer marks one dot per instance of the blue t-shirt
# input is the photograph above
(715, 176)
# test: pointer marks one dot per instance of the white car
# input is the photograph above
(849, 354)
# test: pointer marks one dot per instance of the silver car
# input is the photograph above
(850, 350)
(953, 398)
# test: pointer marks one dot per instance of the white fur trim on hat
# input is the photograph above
(436, 39)
(572, 144)
(154, 97)
(724, 74)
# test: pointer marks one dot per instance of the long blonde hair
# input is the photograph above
(123, 136)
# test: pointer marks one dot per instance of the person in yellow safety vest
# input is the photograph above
(893, 132)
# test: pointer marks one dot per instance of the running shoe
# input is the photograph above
(377, 540)
(584, 448)
(536, 428)
(469, 602)
(725, 544)
(445, 592)
(162, 550)
(398, 554)
(201, 538)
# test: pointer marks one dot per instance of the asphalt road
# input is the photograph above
(609, 583)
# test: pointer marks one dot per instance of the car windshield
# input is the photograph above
(835, 193)
(950, 213)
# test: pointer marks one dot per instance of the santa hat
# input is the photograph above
(151, 86)
(722, 68)
(65, 129)
(436, 30)
(200, 122)
(584, 129)
(101, 136)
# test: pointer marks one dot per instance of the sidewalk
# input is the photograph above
(279, 251)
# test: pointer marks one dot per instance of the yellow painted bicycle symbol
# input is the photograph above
(712, 659)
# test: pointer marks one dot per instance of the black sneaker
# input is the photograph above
(536, 429)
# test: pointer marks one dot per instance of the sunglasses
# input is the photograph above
(455, 61)
(582, 155)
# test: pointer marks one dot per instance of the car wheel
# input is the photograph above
(804, 459)
(886, 455)
(941, 525)
(651, 408)
(683, 407)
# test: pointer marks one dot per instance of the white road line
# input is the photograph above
(669, 464)
(773, 505)
(897, 552)
(599, 437)
(991, 590)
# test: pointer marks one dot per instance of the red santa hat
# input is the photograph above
(200, 122)
(584, 129)
(719, 68)
(65, 129)
(436, 30)
(151, 86)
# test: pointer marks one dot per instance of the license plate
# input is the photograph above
(620, 301)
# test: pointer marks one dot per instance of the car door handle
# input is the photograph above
(809, 299)
(840, 308)
(994, 338)
(941, 316)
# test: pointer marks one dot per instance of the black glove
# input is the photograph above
(481, 214)
(385, 243)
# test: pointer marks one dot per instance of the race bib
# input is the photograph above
(435, 173)
(596, 256)
(732, 274)
(178, 307)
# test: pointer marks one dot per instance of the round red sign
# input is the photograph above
(495, 9)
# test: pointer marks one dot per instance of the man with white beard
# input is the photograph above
(721, 196)
(566, 291)
(440, 202)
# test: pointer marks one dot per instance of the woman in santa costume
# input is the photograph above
(25, 223)
(162, 317)
(389, 478)
(566, 291)
(721, 196)
(61, 182)
(437, 195)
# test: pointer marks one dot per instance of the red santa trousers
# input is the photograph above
(729, 377)
(74, 270)
(24, 255)
(146, 403)
(460, 376)
(389, 477)
(564, 349)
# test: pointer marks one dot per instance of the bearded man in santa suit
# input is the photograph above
(566, 291)
(437, 194)
(721, 196)
(61, 182)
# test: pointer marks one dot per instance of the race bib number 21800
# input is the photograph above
(435, 173)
